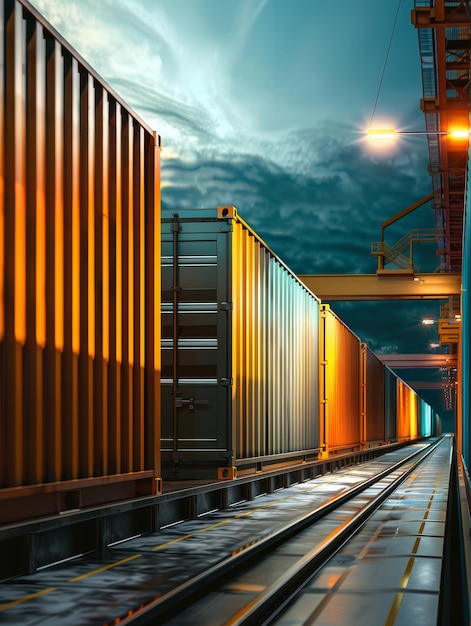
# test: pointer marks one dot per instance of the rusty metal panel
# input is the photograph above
(341, 387)
(240, 377)
(79, 268)
(390, 405)
(374, 384)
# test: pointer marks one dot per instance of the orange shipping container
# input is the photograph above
(407, 412)
(340, 382)
(79, 280)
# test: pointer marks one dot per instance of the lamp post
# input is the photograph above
(391, 133)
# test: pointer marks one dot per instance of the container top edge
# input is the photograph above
(213, 215)
(80, 59)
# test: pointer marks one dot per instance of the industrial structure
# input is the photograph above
(100, 416)
(444, 32)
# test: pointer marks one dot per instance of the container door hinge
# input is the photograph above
(226, 382)
(226, 306)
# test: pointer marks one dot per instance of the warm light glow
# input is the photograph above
(459, 133)
(428, 322)
(389, 133)
(458, 317)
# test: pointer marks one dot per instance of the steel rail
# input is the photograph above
(164, 607)
(270, 603)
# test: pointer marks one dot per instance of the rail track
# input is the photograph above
(253, 562)
(255, 584)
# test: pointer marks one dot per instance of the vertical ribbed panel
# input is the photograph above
(275, 352)
(342, 383)
(425, 418)
(79, 267)
(248, 351)
(375, 405)
(407, 411)
(390, 405)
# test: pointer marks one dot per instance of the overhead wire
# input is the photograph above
(385, 63)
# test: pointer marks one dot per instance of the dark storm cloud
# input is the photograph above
(318, 207)
(391, 326)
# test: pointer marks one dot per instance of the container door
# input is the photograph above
(195, 380)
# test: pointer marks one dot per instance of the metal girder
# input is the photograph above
(440, 16)
(396, 361)
(387, 285)
(429, 384)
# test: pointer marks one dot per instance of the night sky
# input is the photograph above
(263, 104)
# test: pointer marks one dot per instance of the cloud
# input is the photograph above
(318, 207)
(248, 13)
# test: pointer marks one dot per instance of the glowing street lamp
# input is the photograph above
(388, 133)
(391, 133)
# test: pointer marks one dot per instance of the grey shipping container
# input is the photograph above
(240, 351)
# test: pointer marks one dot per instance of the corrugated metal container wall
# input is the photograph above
(375, 401)
(390, 405)
(275, 345)
(425, 418)
(407, 411)
(340, 383)
(79, 274)
(247, 362)
(196, 391)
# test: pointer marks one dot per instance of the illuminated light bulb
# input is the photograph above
(427, 322)
(459, 133)
(389, 133)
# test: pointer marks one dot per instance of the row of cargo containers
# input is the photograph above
(80, 312)
(256, 371)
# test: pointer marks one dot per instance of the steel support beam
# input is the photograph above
(396, 361)
(429, 384)
(388, 285)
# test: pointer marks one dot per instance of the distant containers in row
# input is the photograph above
(256, 372)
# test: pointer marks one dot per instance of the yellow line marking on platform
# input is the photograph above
(10, 605)
(169, 543)
(245, 513)
(203, 530)
(104, 568)
(405, 578)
